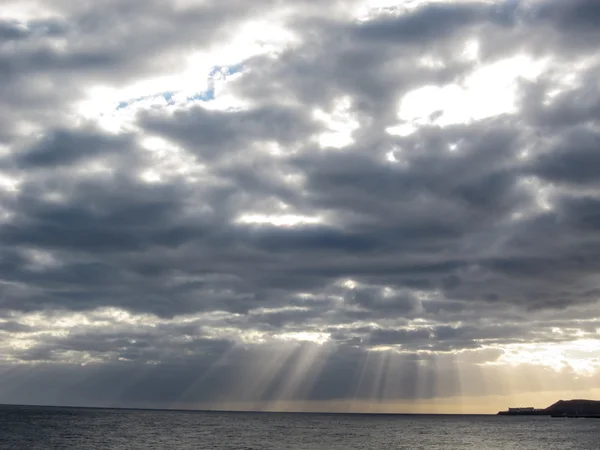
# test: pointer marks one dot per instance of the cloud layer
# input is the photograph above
(341, 201)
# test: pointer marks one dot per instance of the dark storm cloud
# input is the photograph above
(469, 181)
(574, 161)
(211, 134)
(134, 23)
(14, 30)
(64, 147)
(10, 31)
(577, 16)
(452, 230)
(98, 215)
(14, 327)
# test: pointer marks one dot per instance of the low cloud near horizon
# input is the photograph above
(299, 205)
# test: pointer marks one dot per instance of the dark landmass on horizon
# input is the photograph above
(562, 408)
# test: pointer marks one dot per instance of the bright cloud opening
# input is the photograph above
(489, 91)
(282, 220)
(341, 125)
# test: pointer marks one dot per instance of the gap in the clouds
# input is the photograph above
(168, 96)
(115, 109)
(173, 97)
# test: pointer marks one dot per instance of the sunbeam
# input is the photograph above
(301, 374)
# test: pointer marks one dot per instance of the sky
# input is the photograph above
(358, 205)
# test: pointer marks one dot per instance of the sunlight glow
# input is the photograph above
(340, 122)
(489, 91)
(540, 191)
(350, 284)
(471, 50)
(41, 259)
(300, 336)
(284, 220)
(581, 356)
(26, 10)
(168, 161)
(9, 184)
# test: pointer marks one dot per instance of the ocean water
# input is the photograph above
(85, 429)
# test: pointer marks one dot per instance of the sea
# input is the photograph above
(31, 428)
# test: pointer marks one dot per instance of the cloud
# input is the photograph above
(189, 187)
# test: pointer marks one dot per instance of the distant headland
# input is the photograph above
(562, 408)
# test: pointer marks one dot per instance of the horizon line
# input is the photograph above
(239, 411)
